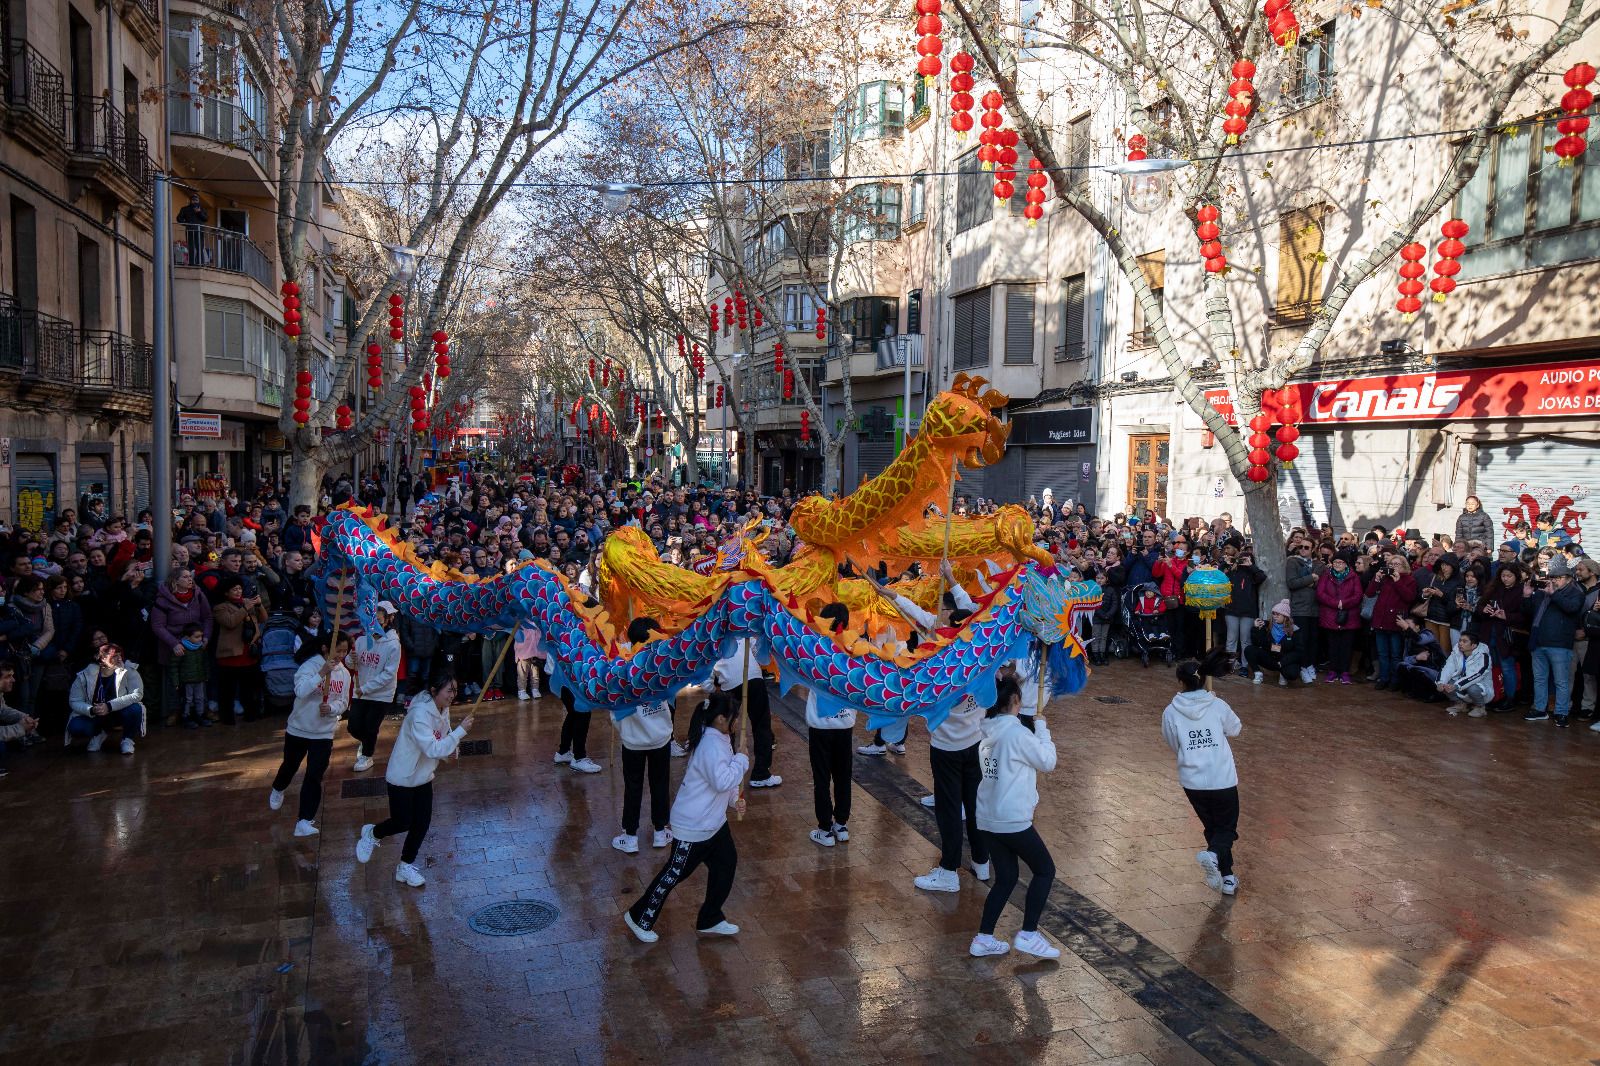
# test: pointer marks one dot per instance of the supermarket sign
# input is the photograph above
(191, 425)
(1550, 390)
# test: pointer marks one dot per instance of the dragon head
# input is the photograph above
(967, 409)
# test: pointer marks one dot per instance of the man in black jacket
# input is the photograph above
(1556, 609)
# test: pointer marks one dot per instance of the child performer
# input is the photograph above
(700, 824)
(828, 737)
(646, 745)
(1197, 726)
(321, 695)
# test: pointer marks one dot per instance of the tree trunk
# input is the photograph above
(833, 466)
(305, 474)
(1261, 512)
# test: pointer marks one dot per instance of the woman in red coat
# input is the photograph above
(1339, 595)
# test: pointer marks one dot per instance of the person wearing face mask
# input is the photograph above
(1169, 572)
(1339, 595)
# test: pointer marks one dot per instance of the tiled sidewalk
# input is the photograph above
(1415, 889)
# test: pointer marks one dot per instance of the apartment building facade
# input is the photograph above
(77, 137)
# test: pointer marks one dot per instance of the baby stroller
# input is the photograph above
(1146, 632)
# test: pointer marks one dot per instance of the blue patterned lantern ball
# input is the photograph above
(1207, 589)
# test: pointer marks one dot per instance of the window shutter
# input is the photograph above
(982, 312)
(961, 343)
(1154, 265)
(1073, 345)
(1299, 257)
(971, 342)
(1019, 324)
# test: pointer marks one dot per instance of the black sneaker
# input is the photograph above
(1536, 716)
(1561, 721)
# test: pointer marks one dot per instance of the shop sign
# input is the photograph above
(1050, 427)
(1549, 390)
(199, 426)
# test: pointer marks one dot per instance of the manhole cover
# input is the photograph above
(477, 747)
(513, 918)
(1110, 699)
(361, 787)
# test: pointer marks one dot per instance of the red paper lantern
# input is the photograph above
(303, 377)
(1259, 456)
(396, 300)
(1257, 474)
(302, 417)
(1003, 190)
(1287, 454)
(291, 303)
(1259, 438)
(963, 63)
(397, 334)
(1260, 423)
(1244, 69)
(375, 349)
(289, 288)
(1287, 434)
(1207, 231)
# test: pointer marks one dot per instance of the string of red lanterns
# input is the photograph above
(1574, 123)
(1241, 96)
(1282, 24)
(742, 309)
(929, 45)
(727, 315)
(713, 320)
(777, 357)
(397, 317)
(302, 397)
(1411, 271)
(1210, 235)
(961, 86)
(805, 427)
(991, 120)
(441, 354)
(374, 366)
(1037, 181)
(419, 409)
(822, 322)
(699, 363)
(291, 309)
(1448, 265)
(344, 418)
(1005, 157)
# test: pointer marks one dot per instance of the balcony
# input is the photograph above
(218, 139)
(35, 99)
(210, 248)
(144, 19)
(109, 370)
(105, 155)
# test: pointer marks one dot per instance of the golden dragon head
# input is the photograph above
(966, 409)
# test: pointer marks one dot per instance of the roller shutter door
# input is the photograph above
(1305, 490)
(1519, 482)
(33, 490)
(872, 456)
(1055, 469)
(141, 484)
(94, 480)
(1003, 482)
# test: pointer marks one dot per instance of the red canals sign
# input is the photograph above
(1549, 390)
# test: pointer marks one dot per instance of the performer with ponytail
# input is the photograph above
(700, 828)
(646, 745)
(828, 736)
(1197, 726)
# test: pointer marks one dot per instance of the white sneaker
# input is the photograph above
(722, 928)
(871, 749)
(1594, 727)
(678, 750)
(626, 843)
(1230, 885)
(897, 749)
(647, 936)
(984, 944)
(521, 695)
(767, 782)
(365, 843)
(927, 801)
(823, 837)
(980, 870)
(563, 756)
(534, 693)
(661, 839)
(1308, 674)
(407, 874)
(363, 764)
(1035, 944)
(274, 800)
(97, 742)
(1208, 863)
(127, 746)
(1257, 677)
(1283, 682)
(586, 766)
(939, 879)
(1455, 709)
(840, 833)
(303, 828)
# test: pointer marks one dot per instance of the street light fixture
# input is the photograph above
(1145, 181)
(616, 197)
(403, 261)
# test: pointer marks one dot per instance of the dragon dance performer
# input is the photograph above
(322, 692)
(733, 675)
(377, 662)
(646, 746)
(828, 738)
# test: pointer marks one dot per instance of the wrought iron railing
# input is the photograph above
(219, 120)
(35, 86)
(221, 249)
(99, 130)
(1299, 313)
(43, 347)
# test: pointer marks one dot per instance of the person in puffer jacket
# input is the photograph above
(1012, 755)
(1197, 725)
(1468, 677)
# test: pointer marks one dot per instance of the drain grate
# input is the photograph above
(515, 917)
(1112, 699)
(477, 747)
(363, 787)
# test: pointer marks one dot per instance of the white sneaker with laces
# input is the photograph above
(927, 801)
(722, 928)
(678, 750)
(127, 746)
(871, 749)
(980, 870)
(407, 874)
(363, 764)
(661, 839)
(97, 742)
(535, 693)
(1257, 677)
(1036, 945)
(823, 837)
(939, 879)
(1208, 863)
(1230, 885)
(1308, 674)
(767, 782)
(521, 695)
(626, 843)
(647, 936)
(563, 756)
(274, 800)
(985, 944)
(1455, 708)
(586, 766)
(897, 749)
(365, 843)
(303, 828)
(840, 833)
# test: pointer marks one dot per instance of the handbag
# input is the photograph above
(1368, 605)
(1341, 617)
(1170, 603)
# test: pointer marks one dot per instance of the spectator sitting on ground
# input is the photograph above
(107, 692)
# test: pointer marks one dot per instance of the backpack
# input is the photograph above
(277, 655)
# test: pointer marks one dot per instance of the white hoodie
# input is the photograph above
(307, 720)
(732, 672)
(962, 727)
(377, 664)
(1012, 755)
(710, 786)
(648, 727)
(425, 738)
(845, 719)
(1197, 726)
